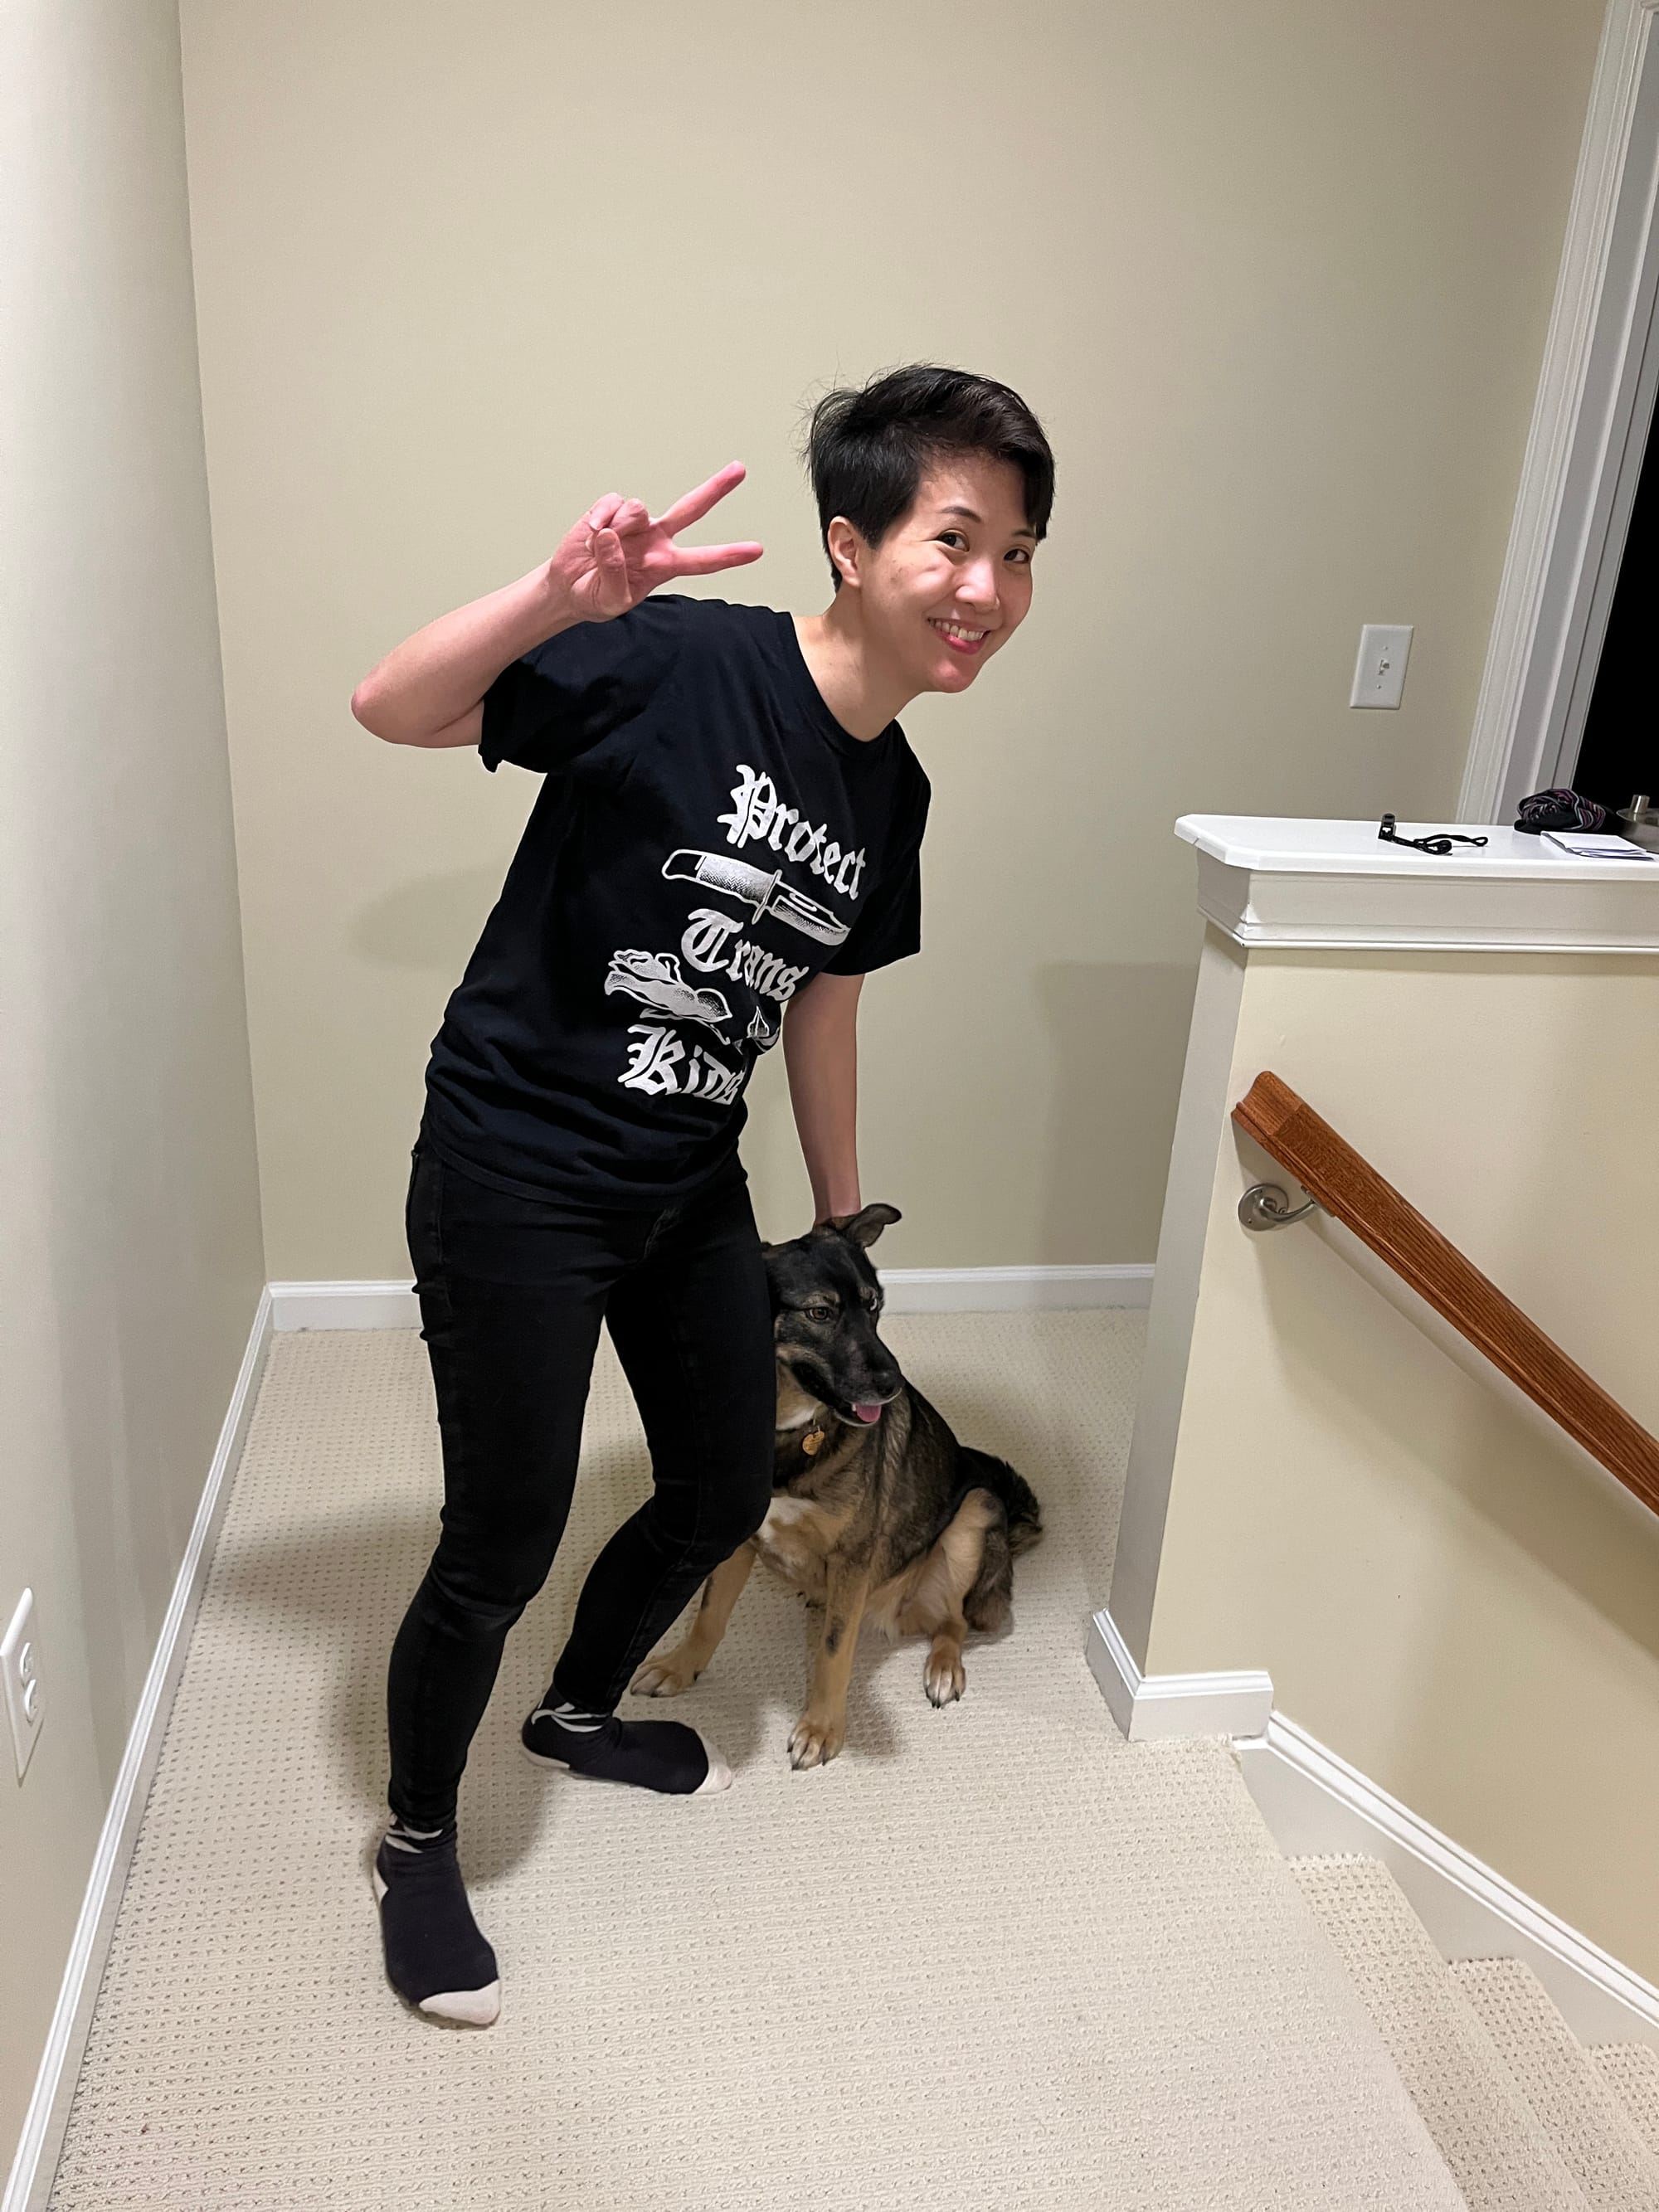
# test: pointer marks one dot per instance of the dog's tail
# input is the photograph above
(1012, 1492)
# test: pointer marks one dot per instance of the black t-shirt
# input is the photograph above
(707, 836)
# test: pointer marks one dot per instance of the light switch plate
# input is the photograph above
(1379, 675)
(20, 1670)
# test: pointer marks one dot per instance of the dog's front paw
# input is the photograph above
(944, 1677)
(814, 1742)
(665, 1676)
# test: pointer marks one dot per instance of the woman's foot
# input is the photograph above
(663, 1755)
(436, 1956)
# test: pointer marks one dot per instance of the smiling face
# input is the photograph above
(950, 582)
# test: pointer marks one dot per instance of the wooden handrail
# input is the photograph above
(1349, 1187)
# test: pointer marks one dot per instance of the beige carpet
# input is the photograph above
(1598, 2141)
(1526, 2118)
(1631, 2071)
(1490, 2138)
(991, 1958)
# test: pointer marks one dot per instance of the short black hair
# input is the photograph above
(866, 449)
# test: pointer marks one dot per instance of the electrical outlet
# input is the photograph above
(1379, 675)
(19, 1669)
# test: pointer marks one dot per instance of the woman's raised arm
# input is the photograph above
(429, 690)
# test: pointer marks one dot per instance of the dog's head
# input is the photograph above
(826, 1301)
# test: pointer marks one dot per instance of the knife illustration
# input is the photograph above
(766, 894)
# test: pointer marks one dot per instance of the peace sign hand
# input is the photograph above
(616, 555)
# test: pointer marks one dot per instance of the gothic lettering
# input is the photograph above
(707, 947)
(759, 815)
(661, 1063)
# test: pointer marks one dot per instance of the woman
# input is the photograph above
(725, 842)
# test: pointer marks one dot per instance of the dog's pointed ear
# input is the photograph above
(865, 1226)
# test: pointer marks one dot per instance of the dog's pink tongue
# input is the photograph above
(869, 1410)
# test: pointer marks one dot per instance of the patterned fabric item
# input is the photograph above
(1558, 810)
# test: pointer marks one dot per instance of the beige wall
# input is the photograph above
(1276, 276)
(1444, 1590)
(129, 1208)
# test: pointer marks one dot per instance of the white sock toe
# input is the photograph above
(718, 1776)
(469, 2007)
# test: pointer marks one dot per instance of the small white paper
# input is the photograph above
(1588, 845)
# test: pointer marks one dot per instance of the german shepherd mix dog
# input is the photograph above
(878, 1513)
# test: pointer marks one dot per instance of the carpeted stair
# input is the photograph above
(1631, 2071)
(1527, 2120)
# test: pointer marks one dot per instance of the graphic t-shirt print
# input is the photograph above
(696, 853)
(661, 1061)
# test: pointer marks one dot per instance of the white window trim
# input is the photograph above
(1595, 397)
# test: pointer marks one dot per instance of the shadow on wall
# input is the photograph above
(1118, 1043)
(431, 923)
(1118, 1039)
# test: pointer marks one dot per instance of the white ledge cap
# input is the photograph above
(1273, 879)
(1298, 845)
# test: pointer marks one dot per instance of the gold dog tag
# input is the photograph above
(811, 1442)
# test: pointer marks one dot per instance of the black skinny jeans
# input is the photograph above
(512, 1293)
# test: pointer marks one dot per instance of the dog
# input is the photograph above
(878, 1513)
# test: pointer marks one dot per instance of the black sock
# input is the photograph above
(664, 1756)
(436, 1956)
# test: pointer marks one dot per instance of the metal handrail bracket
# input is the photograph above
(1267, 1205)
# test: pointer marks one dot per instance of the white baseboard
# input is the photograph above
(1147, 1706)
(1003, 1289)
(344, 1305)
(1315, 1803)
(909, 1290)
(36, 2159)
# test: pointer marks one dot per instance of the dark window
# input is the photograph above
(1620, 754)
